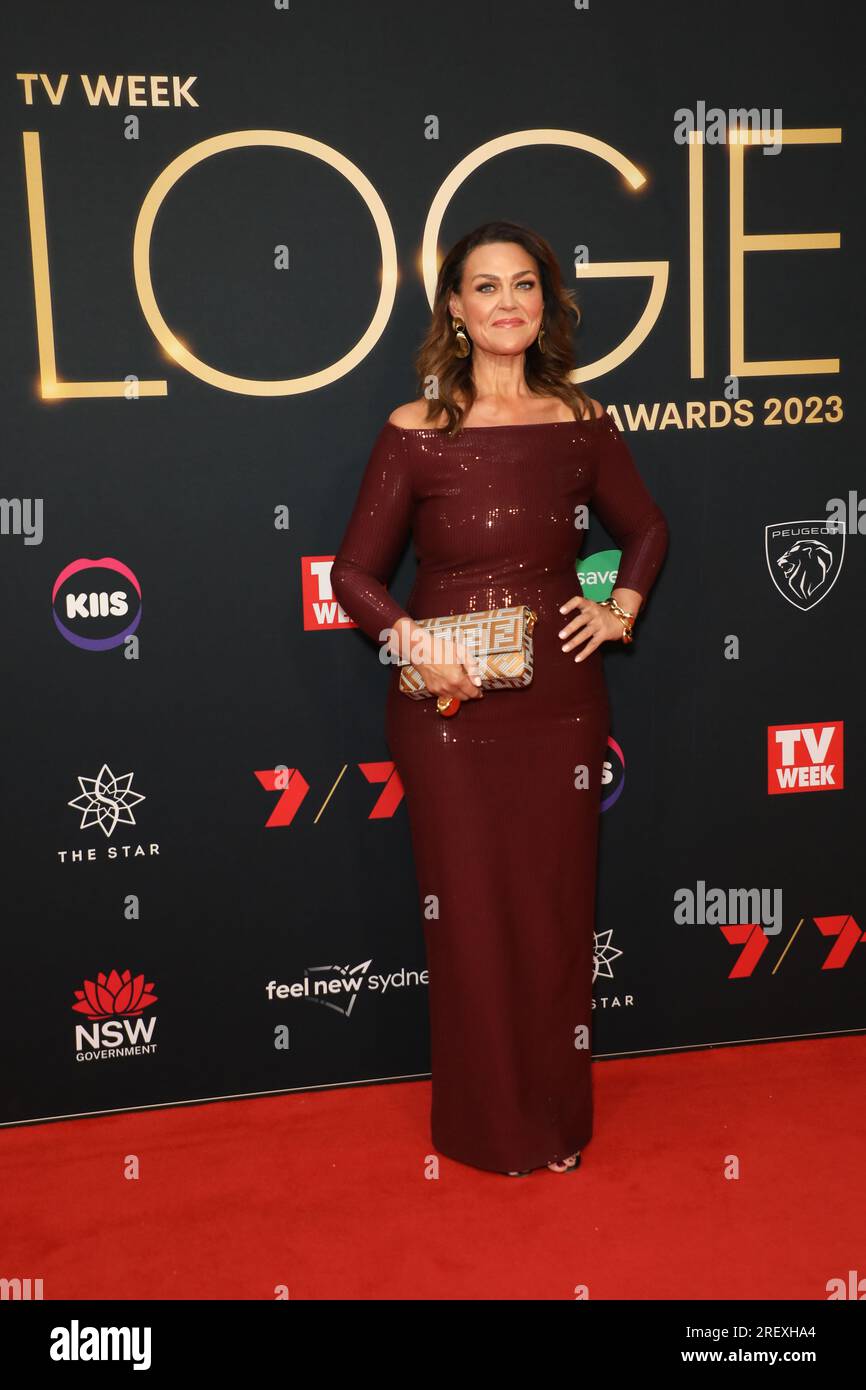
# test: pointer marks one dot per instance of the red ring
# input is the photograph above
(450, 709)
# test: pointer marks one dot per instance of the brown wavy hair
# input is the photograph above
(546, 373)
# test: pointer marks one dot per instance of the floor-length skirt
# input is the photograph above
(503, 803)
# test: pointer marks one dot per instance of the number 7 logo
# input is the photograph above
(754, 941)
(293, 786)
(847, 934)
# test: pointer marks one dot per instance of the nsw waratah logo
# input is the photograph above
(113, 1005)
(106, 800)
(113, 994)
(96, 603)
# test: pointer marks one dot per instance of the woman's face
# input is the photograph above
(500, 299)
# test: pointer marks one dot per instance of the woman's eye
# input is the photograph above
(530, 284)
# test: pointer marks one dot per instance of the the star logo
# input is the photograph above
(603, 955)
(106, 800)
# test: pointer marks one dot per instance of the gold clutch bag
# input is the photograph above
(501, 639)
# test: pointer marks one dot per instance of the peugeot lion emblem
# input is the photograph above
(804, 559)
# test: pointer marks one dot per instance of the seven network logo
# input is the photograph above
(106, 802)
(96, 603)
(121, 1000)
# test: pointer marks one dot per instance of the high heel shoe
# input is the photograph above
(570, 1167)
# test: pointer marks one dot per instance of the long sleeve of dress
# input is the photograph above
(375, 537)
(628, 512)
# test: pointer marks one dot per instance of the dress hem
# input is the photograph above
(521, 1166)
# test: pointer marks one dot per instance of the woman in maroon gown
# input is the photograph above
(491, 478)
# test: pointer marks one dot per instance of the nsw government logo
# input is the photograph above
(804, 559)
(114, 1004)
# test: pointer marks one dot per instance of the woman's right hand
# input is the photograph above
(455, 670)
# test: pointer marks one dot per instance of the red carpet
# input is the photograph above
(325, 1193)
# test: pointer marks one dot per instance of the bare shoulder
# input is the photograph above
(412, 416)
(597, 407)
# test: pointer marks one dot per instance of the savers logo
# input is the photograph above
(597, 574)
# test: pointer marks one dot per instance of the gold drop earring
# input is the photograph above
(540, 339)
(461, 348)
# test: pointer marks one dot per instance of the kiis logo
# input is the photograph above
(804, 758)
(90, 609)
(612, 775)
(117, 998)
(322, 612)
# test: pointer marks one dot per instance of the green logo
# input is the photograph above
(597, 574)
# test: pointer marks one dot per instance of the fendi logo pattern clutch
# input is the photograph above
(501, 638)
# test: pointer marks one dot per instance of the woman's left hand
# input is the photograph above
(593, 621)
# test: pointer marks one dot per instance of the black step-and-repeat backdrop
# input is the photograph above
(222, 226)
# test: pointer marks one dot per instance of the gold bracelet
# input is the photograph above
(627, 619)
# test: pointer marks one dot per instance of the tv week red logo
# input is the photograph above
(321, 610)
(804, 758)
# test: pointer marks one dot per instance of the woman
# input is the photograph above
(503, 800)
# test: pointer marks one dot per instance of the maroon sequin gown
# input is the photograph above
(504, 828)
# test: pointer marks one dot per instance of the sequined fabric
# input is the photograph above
(502, 799)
